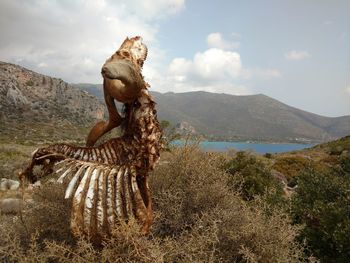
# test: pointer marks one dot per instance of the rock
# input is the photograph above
(31, 187)
(185, 128)
(37, 184)
(10, 205)
(8, 184)
(15, 96)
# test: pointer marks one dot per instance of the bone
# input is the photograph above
(104, 201)
(118, 193)
(140, 205)
(102, 179)
(106, 150)
(62, 177)
(89, 200)
(94, 156)
(64, 163)
(115, 192)
(111, 151)
(110, 196)
(73, 182)
(77, 220)
(100, 200)
(85, 156)
(128, 194)
(77, 154)
(103, 155)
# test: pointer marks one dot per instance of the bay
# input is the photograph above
(261, 148)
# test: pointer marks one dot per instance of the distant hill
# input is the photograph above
(29, 101)
(24, 94)
(253, 117)
(29, 97)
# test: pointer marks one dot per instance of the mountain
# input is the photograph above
(29, 99)
(253, 117)
(35, 108)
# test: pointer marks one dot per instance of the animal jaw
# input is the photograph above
(122, 71)
(108, 183)
(122, 81)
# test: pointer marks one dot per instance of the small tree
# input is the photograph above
(322, 204)
(169, 133)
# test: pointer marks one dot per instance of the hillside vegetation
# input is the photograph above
(194, 205)
(226, 207)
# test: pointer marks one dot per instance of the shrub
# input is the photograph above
(322, 203)
(253, 177)
(30, 83)
(291, 166)
(199, 219)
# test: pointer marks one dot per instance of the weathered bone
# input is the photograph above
(73, 182)
(109, 182)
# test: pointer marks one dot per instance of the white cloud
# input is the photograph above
(214, 70)
(215, 40)
(211, 66)
(72, 39)
(296, 55)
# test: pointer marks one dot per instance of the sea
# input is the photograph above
(260, 148)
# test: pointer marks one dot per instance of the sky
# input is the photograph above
(295, 51)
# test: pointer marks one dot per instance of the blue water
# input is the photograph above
(256, 147)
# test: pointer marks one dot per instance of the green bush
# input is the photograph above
(253, 177)
(169, 134)
(321, 203)
(345, 164)
(30, 83)
(292, 166)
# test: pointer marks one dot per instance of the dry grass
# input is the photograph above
(197, 219)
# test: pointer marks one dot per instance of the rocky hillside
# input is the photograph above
(29, 97)
(254, 117)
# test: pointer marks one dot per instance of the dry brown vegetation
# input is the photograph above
(198, 218)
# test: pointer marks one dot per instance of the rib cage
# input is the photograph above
(102, 196)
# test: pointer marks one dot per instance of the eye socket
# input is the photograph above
(125, 53)
(137, 104)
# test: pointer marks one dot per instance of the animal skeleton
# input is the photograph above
(108, 183)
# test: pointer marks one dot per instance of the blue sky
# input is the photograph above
(295, 51)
